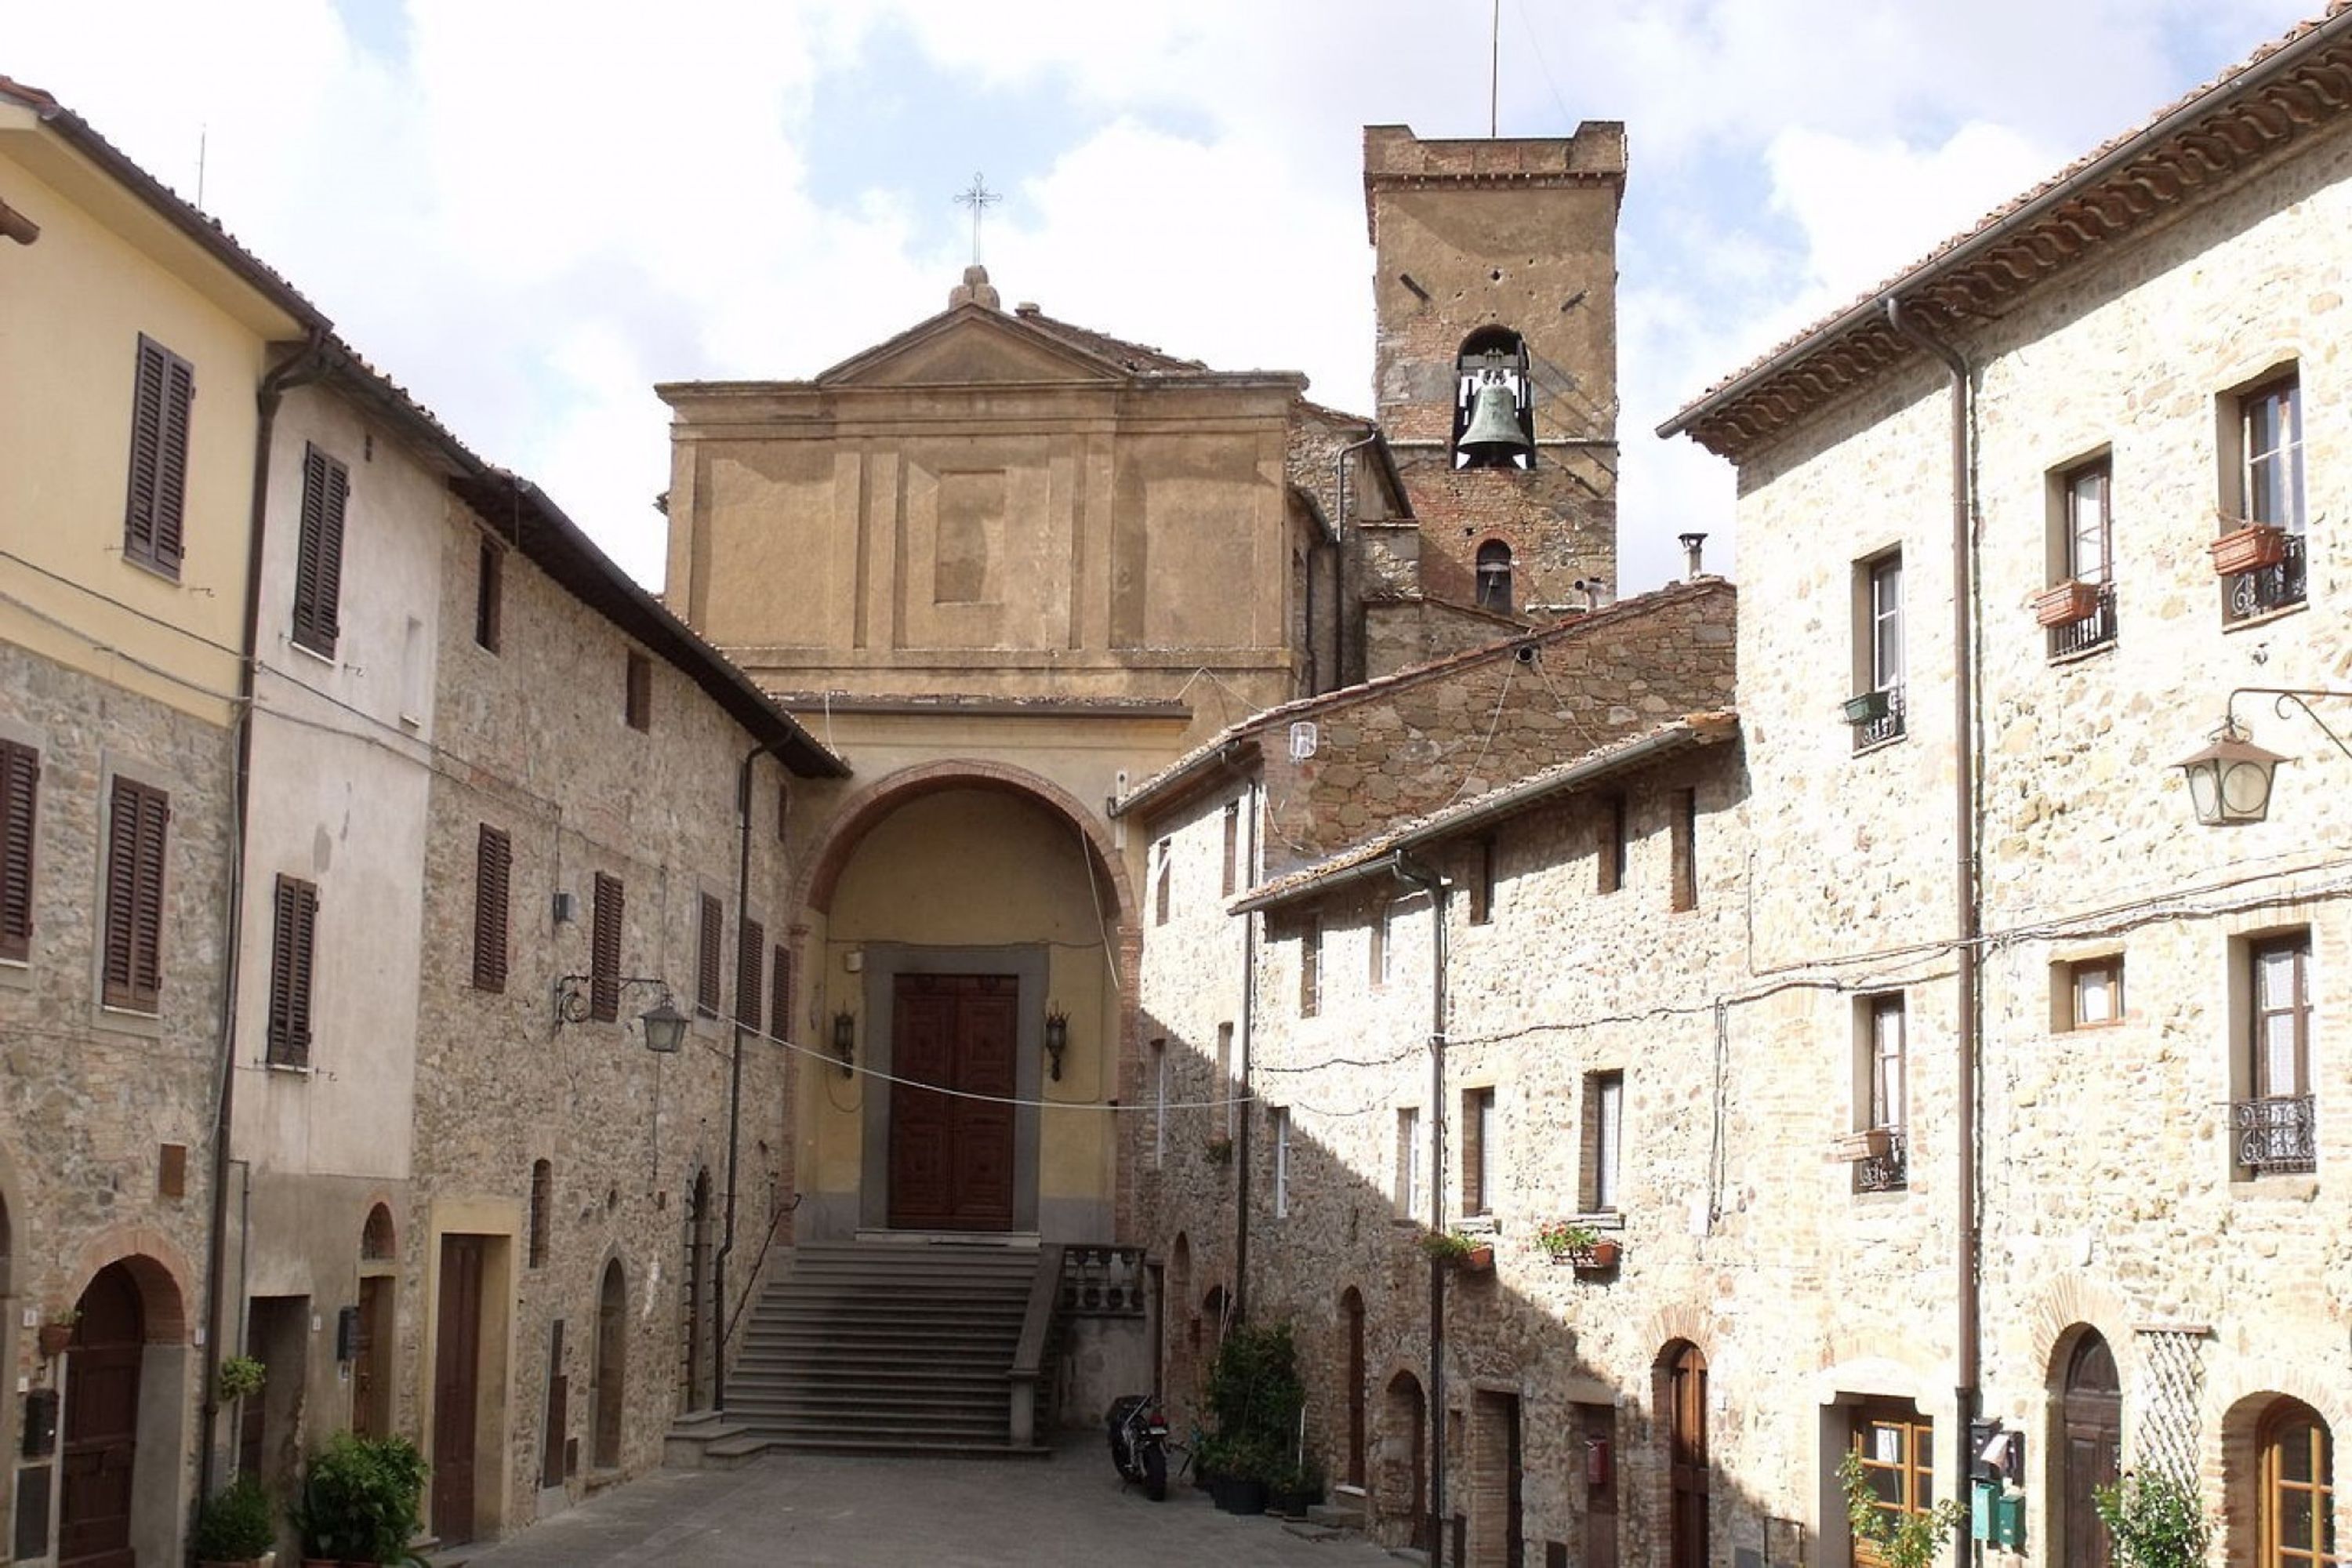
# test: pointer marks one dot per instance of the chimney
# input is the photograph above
(1692, 544)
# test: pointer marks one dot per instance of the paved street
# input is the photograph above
(814, 1509)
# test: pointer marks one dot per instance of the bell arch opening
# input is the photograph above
(1494, 402)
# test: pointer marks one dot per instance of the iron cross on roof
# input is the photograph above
(979, 198)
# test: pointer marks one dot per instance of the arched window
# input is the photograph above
(1494, 402)
(1495, 577)
(542, 1198)
(2298, 1495)
(376, 1244)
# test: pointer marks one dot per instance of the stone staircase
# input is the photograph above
(897, 1347)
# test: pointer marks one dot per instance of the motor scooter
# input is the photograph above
(1139, 1441)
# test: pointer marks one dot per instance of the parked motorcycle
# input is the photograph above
(1139, 1441)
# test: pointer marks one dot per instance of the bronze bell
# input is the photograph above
(1494, 436)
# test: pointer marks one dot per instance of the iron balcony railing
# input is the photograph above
(1888, 1172)
(2096, 629)
(1876, 717)
(2267, 588)
(2276, 1134)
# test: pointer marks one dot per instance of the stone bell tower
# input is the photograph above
(1496, 369)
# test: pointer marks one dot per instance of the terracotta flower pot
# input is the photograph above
(54, 1338)
(1479, 1260)
(2248, 549)
(1602, 1253)
(2067, 604)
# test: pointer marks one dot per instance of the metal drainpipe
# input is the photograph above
(1405, 870)
(1968, 885)
(1339, 565)
(1242, 1143)
(307, 364)
(734, 1075)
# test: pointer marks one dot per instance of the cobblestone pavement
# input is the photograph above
(815, 1510)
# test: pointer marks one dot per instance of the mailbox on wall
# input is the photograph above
(40, 1423)
(347, 1334)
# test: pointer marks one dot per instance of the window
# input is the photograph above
(319, 557)
(1311, 967)
(1896, 1447)
(780, 992)
(1495, 577)
(1611, 860)
(1407, 1162)
(1232, 847)
(2275, 1125)
(1227, 1090)
(750, 947)
(1884, 1049)
(20, 784)
(710, 935)
(1160, 1069)
(639, 705)
(493, 862)
(1163, 854)
(2090, 523)
(1685, 830)
(783, 811)
(2080, 610)
(137, 817)
(1478, 1150)
(1877, 713)
(489, 592)
(2262, 441)
(543, 1204)
(1604, 1139)
(2297, 1505)
(1378, 934)
(161, 402)
(2094, 992)
(1281, 1161)
(293, 945)
(604, 951)
(1482, 882)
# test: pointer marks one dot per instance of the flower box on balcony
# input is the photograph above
(2249, 547)
(1597, 1259)
(1869, 708)
(2067, 604)
(1870, 1143)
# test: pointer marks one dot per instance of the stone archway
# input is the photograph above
(118, 1483)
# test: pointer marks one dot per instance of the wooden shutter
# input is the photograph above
(605, 951)
(132, 968)
(493, 857)
(292, 944)
(20, 779)
(160, 404)
(749, 949)
(780, 992)
(172, 477)
(708, 956)
(318, 562)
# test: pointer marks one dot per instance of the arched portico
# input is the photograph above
(969, 960)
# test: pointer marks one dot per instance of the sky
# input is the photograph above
(530, 213)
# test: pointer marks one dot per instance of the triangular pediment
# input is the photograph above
(968, 346)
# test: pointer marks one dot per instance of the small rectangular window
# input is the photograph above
(1482, 882)
(292, 955)
(750, 948)
(1232, 847)
(710, 939)
(493, 862)
(1478, 1150)
(2274, 1127)
(20, 784)
(319, 552)
(2095, 992)
(1163, 855)
(604, 950)
(2263, 461)
(489, 594)
(1281, 1161)
(1311, 967)
(1610, 862)
(1160, 1069)
(1605, 1138)
(2269, 475)
(1407, 1162)
(137, 820)
(2079, 609)
(1884, 1051)
(1380, 930)
(1228, 1091)
(162, 404)
(1685, 834)
(1876, 710)
(640, 699)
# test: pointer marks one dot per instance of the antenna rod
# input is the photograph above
(202, 131)
(1495, 73)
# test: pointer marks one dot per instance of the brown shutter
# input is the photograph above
(132, 959)
(707, 957)
(749, 949)
(318, 561)
(779, 994)
(605, 951)
(146, 451)
(493, 857)
(20, 778)
(171, 473)
(294, 936)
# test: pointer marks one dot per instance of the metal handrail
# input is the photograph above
(727, 1330)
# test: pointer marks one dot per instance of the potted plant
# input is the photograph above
(1470, 1254)
(57, 1332)
(2068, 602)
(236, 1526)
(2248, 547)
(359, 1501)
(1574, 1242)
(2156, 1521)
(240, 1376)
(1255, 1394)
(1297, 1486)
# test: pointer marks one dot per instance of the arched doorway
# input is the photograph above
(1683, 1389)
(372, 1345)
(1400, 1482)
(101, 1423)
(610, 1392)
(2091, 1429)
(2296, 1508)
(1351, 1312)
(699, 1308)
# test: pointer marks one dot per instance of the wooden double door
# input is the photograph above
(954, 1052)
(101, 1422)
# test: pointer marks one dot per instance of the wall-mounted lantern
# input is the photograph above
(845, 1041)
(1057, 1038)
(2230, 781)
(664, 1025)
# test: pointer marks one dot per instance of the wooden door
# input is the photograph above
(2092, 1411)
(950, 1155)
(457, 1387)
(611, 1386)
(101, 1424)
(1686, 1457)
(558, 1419)
(372, 1359)
(1353, 1305)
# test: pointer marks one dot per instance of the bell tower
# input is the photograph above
(1496, 368)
